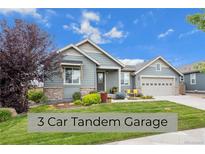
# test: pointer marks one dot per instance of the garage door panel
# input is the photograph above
(157, 86)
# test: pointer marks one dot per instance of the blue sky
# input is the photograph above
(132, 34)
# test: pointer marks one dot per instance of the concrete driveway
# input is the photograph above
(189, 100)
(194, 136)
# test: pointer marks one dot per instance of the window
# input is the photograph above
(158, 67)
(72, 75)
(125, 78)
(193, 78)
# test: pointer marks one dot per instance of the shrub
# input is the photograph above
(5, 115)
(120, 95)
(139, 95)
(91, 99)
(76, 96)
(147, 97)
(44, 99)
(78, 102)
(35, 95)
(113, 90)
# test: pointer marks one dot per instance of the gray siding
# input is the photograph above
(103, 59)
(151, 70)
(131, 86)
(88, 73)
(88, 77)
(56, 81)
(112, 79)
(98, 55)
(70, 89)
(200, 82)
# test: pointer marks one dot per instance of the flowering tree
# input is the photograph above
(24, 57)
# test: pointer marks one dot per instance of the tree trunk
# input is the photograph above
(14, 96)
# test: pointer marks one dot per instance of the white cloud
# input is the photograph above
(27, 11)
(114, 33)
(88, 29)
(145, 18)
(18, 10)
(69, 16)
(90, 16)
(168, 32)
(65, 27)
(188, 33)
(51, 12)
(131, 61)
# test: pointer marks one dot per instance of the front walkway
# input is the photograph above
(193, 136)
(193, 101)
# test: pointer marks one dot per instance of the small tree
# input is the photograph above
(198, 20)
(200, 66)
(24, 57)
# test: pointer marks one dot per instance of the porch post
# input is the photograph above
(119, 77)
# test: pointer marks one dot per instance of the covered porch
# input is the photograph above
(108, 78)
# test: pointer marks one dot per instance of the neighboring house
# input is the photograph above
(194, 80)
(86, 67)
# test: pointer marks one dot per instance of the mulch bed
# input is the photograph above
(68, 106)
(64, 105)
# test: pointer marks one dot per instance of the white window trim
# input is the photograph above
(65, 83)
(191, 77)
(119, 82)
(159, 67)
(124, 82)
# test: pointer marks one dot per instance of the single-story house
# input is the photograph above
(194, 80)
(87, 67)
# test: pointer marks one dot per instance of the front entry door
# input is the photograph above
(100, 81)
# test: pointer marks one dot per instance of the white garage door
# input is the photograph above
(158, 86)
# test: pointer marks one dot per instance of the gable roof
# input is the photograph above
(100, 49)
(130, 68)
(140, 67)
(80, 51)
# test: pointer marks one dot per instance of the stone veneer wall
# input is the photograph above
(85, 91)
(182, 89)
(53, 93)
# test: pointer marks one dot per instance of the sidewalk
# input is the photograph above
(193, 136)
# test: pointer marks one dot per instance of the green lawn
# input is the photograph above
(15, 131)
